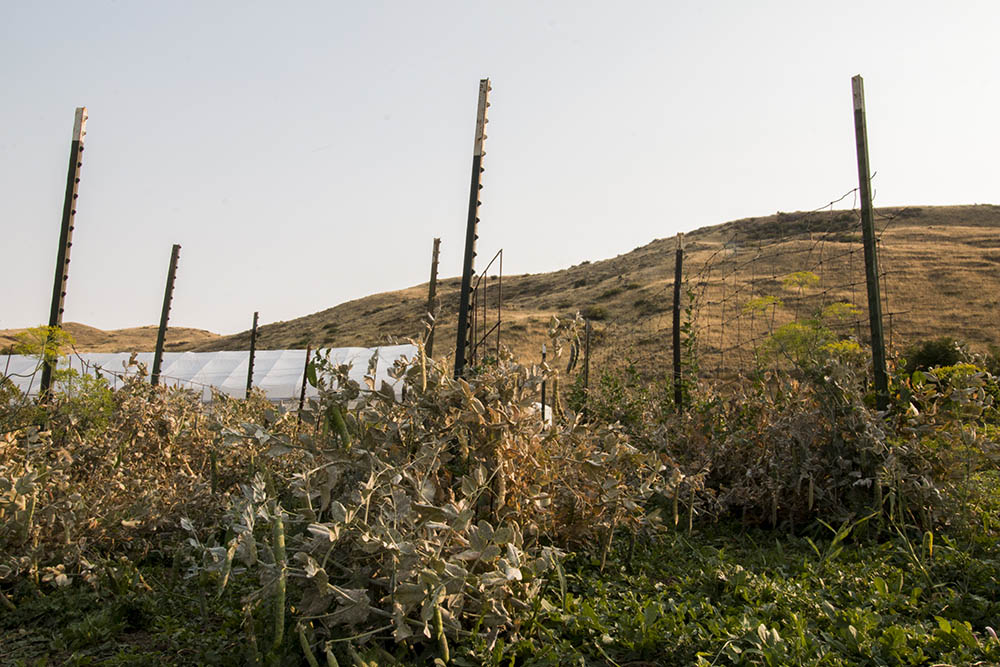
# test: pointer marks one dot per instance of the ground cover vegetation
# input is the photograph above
(785, 521)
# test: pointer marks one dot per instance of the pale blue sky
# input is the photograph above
(306, 153)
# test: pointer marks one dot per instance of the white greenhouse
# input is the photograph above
(280, 373)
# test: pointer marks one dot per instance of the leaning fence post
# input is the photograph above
(678, 272)
(464, 342)
(586, 366)
(161, 335)
(65, 242)
(305, 380)
(543, 385)
(431, 295)
(253, 351)
(871, 255)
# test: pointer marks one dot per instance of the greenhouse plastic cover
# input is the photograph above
(278, 372)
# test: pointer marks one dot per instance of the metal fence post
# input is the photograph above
(168, 296)
(253, 352)
(305, 381)
(463, 343)
(65, 242)
(586, 366)
(431, 296)
(871, 254)
(543, 386)
(678, 273)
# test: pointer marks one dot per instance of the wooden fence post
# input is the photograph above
(871, 254)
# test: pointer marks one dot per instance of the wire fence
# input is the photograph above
(753, 290)
(756, 292)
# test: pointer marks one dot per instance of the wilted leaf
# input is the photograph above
(461, 523)
(401, 630)
(337, 512)
(277, 449)
(430, 512)
(324, 532)
(387, 391)
(352, 605)
(410, 594)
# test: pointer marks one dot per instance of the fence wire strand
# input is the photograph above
(752, 282)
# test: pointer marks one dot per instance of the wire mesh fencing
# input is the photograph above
(757, 295)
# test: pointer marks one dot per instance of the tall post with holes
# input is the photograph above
(253, 352)
(305, 380)
(431, 298)
(678, 273)
(586, 366)
(543, 384)
(168, 297)
(65, 240)
(464, 343)
(871, 254)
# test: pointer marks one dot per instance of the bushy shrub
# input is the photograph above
(620, 396)
(806, 442)
(944, 351)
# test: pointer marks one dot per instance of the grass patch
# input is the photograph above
(164, 620)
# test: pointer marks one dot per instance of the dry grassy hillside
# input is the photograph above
(942, 267)
(139, 339)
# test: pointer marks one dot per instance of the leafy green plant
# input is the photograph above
(800, 280)
(46, 343)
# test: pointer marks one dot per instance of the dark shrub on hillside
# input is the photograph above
(944, 351)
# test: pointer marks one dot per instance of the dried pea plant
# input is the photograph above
(105, 474)
(432, 516)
